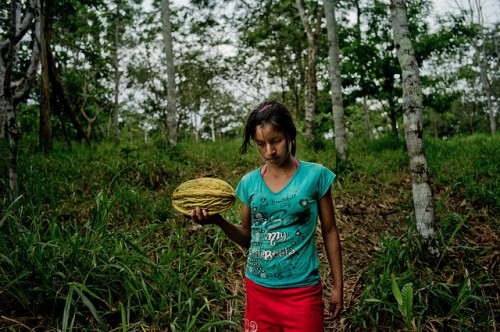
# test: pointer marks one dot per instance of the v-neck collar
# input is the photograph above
(286, 184)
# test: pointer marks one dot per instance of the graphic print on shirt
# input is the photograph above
(276, 233)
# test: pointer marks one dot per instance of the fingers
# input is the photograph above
(335, 304)
(334, 311)
(199, 215)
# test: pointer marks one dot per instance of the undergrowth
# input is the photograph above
(92, 242)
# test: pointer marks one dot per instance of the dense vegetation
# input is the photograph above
(89, 239)
(92, 242)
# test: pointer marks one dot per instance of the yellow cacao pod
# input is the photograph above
(214, 195)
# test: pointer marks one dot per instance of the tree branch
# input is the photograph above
(303, 17)
(29, 79)
(23, 28)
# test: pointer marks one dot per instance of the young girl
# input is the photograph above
(281, 204)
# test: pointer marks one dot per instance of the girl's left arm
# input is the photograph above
(331, 240)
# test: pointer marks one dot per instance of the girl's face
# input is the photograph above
(272, 144)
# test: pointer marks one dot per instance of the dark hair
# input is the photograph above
(274, 113)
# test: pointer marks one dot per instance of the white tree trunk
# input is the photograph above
(116, 122)
(412, 107)
(7, 102)
(311, 88)
(22, 26)
(368, 126)
(212, 127)
(475, 8)
(8, 99)
(341, 145)
(483, 67)
(171, 87)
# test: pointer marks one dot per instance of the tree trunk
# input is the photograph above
(8, 103)
(412, 107)
(12, 93)
(45, 131)
(341, 145)
(58, 89)
(483, 65)
(368, 126)
(393, 119)
(212, 127)
(491, 111)
(117, 74)
(23, 87)
(311, 89)
(171, 93)
(485, 81)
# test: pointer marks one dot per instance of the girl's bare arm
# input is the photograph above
(238, 234)
(333, 249)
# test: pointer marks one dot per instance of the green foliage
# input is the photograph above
(429, 293)
(443, 292)
(471, 165)
(93, 242)
(104, 246)
(377, 305)
(91, 269)
(404, 298)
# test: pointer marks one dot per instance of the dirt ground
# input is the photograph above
(363, 217)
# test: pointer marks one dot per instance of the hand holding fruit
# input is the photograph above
(201, 216)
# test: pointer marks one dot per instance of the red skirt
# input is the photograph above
(283, 310)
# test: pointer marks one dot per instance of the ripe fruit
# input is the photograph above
(214, 195)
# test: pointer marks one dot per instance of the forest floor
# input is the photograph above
(366, 216)
(376, 210)
(373, 203)
(363, 217)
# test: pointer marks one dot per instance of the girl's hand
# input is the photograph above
(336, 303)
(200, 216)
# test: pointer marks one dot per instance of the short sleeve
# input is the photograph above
(325, 181)
(242, 190)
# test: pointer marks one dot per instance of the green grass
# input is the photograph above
(92, 242)
(443, 298)
(99, 269)
(471, 165)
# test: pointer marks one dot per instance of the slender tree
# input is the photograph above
(45, 132)
(272, 51)
(412, 116)
(312, 49)
(64, 96)
(341, 145)
(116, 124)
(14, 91)
(366, 113)
(171, 89)
(479, 44)
(56, 100)
(8, 105)
(97, 109)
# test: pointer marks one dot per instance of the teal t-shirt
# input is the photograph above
(282, 250)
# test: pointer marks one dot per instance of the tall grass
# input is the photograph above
(471, 164)
(441, 298)
(97, 272)
(458, 290)
(92, 242)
